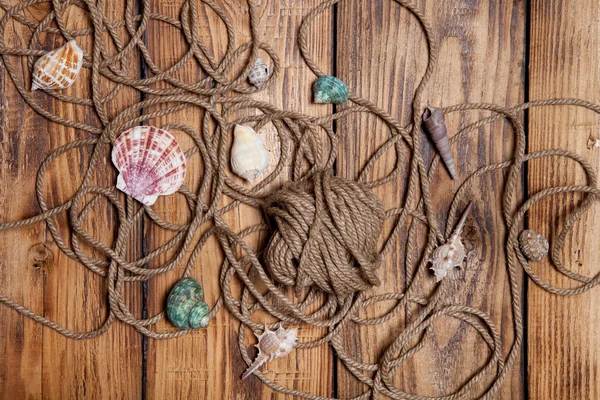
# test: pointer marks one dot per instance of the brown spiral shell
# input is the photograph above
(434, 124)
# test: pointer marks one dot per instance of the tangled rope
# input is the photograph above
(325, 244)
(334, 301)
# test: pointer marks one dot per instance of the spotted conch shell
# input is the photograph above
(249, 157)
(150, 163)
(451, 255)
(272, 344)
(58, 68)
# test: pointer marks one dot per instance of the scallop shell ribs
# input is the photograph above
(150, 163)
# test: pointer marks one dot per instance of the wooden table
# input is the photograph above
(502, 52)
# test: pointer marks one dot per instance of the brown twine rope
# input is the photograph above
(313, 246)
(317, 215)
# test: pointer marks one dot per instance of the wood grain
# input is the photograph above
(563, 331)
(208, 363)
(383, 61)
(38, 362)
(191, 366)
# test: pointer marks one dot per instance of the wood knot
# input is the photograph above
(41, 256)
(471, 232)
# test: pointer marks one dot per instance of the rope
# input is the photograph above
(323, 229)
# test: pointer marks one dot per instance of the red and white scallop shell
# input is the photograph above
(150, 163)
(58, 68)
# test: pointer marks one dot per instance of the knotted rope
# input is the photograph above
(305, 236)
(324, 226)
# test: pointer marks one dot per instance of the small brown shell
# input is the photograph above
(433, 122)
(58, 68)
(259, 73)
(533, 245)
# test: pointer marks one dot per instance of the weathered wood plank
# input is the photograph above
(563, 331)
(382, 59)
(110, 365)
(480, 60)
(182, 367)
(207, 363)
(40, 363)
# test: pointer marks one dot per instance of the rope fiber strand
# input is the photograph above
(325, 249)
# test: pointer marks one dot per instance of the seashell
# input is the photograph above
(186, 308)
(259, 73)
(451, 255)
(58, 68)
(329, 89)
(533, 245)
(249, 157)
(150, 163)
(433, 121)
(272, 344)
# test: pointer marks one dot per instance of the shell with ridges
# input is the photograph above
(272, 344)
(186, 308)
(150, 163)
(452, 254)
(58, 68)
(434, 123)
(259, 73)
(329, 89)
(249, 157)
(533, 245)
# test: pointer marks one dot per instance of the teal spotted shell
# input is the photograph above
(329, 89)
(186, 308)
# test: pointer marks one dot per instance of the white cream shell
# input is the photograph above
(272, 344)
(249, 157)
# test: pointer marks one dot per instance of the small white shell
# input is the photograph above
(447, 257)
(259, 73)
(58, 68)
(249, 157)
(150, 163)
(452, 254)
(272, 344)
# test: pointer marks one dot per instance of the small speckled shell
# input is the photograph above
(150, 163)
(58, 68)
(249, 157)
(533, 245)
(259, 73)
(186, 308)
(329, 89)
